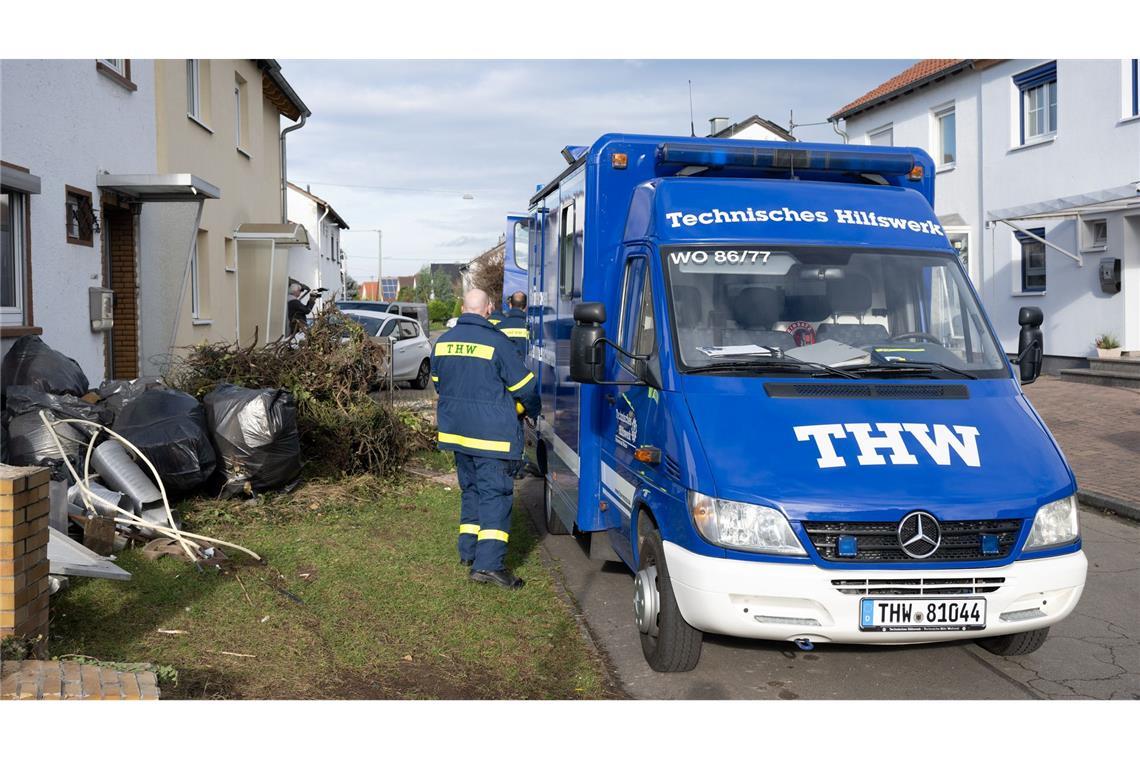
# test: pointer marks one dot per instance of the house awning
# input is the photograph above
(20, 180)
(1113, 199)
(281, 234)
(159, 187)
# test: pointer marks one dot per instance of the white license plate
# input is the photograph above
(895, 614)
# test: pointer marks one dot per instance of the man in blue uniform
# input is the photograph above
(513, 323)
(482, 385)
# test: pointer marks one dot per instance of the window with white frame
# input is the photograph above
(200, 277)
(117, 65)
(1037, 90)
(1032, 260)
(946, 135)
(13, 258)
(882, 136)
(194, 88)
(241, 113)
(1094, 234)
(1135, 66)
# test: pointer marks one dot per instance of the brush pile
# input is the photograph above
(329, 371)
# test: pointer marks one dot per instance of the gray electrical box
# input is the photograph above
(1110, 275)
(102, 307)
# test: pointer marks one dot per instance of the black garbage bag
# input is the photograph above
(256, 434)
(32, 362)
(21, 399)
(115, 394)
(30, 443)
(169, 427)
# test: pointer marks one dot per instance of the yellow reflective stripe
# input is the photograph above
(475, 443)
(515, 332)
(493, 535)
(494, 321)
(434, 379)
(476, 350)
(521, 383)
(469, 528)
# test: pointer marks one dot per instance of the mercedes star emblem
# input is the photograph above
(919, 535)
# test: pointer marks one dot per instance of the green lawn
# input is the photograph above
(380, 607)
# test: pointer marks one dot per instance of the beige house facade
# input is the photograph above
(221, 120)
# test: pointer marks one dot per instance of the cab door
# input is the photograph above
(630, 408)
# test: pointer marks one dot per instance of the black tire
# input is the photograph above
(554, 525)
(1015, 644)
(423, 377)
(677, 646)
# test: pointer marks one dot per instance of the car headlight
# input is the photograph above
(737, 525)
(1055, 523)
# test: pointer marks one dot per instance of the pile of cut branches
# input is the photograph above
(330, 372)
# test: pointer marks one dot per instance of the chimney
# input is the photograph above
(717, 124)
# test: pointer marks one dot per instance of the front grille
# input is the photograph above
(918, 586)
(879, 542)
(894, 391)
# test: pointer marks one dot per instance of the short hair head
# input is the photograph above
(518, 300)
(476, 301)
(295, 289)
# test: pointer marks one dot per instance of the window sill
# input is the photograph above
(115, 76)
(201, 322)
(1129, 120)
(1027, 293)
(1033, 143)
(945, 168)
(244, 152)
(1094, 249)
(19, 331)
(80, 241)
(199, 122)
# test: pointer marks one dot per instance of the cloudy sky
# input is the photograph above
(396, 145)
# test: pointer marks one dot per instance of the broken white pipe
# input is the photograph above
(130, 519)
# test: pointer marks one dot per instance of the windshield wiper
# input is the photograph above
(912, 367)
(786, 362)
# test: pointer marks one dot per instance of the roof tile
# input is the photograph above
(924, 69)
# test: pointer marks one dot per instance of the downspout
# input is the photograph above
(284, 170)
(838, 131)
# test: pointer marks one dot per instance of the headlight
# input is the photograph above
(737, 525)
(1055, 523)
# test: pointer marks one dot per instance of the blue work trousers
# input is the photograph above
(487, 486)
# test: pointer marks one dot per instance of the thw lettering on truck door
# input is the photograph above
(887, 443)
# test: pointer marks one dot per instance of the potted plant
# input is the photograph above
(1107, 347)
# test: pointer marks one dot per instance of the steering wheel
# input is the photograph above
(925, 335)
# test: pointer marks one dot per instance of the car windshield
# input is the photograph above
(878, 312)
(370, 324)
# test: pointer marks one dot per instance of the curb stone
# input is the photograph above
(1101, 501)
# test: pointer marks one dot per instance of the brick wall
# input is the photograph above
(124, 359)
(23, 554)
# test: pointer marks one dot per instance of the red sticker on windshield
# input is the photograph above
(802, 332)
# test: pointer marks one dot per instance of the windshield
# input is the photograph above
(370, 324)
(827, 306)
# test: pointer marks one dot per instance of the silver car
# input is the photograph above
(411, 349)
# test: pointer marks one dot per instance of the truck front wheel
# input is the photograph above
(670, 645)
(1015, 644)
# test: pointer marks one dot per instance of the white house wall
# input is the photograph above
(1094, 149)
(67, 123)
(314, 265)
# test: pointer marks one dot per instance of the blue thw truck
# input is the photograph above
(769, 388)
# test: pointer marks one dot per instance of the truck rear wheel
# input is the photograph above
(554, 525)
(1015, 644)
(670, 645)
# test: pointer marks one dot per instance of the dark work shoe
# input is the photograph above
(466, 562)
(504, 578)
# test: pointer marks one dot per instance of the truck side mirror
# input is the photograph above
(587, 351)
(1030, 343)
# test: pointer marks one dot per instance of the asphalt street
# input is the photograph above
(1093, 654)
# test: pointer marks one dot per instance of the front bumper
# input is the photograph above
(798, 601)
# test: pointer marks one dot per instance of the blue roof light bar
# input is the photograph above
(837, 159)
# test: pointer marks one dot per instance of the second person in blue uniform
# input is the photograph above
(482, 382)
(513, 323)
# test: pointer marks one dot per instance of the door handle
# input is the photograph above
(610, 398)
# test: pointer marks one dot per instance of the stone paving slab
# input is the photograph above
(1099, 431)
(54, 679)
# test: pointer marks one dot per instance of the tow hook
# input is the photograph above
(804, 644)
